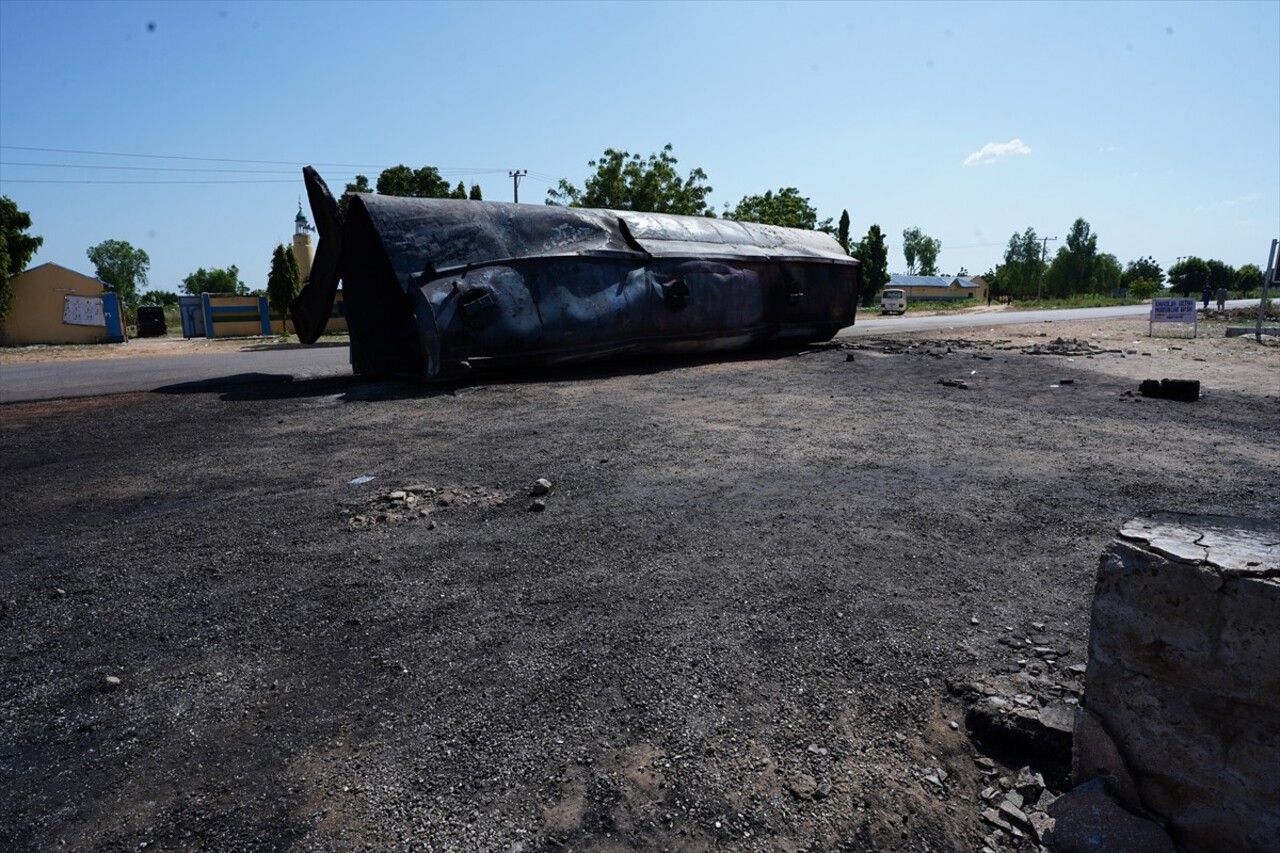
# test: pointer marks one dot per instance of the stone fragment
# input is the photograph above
(993, 817)
(1029, 783)
(541, 486)
(112, 681)
(398, 495)
(1013, 814)
(1041, 825)
(1087, 820)
(538, 505)
(802, 786)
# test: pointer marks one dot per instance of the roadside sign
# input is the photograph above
(1174, 310)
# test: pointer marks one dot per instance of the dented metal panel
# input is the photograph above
(433, 286)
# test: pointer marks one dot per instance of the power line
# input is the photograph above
(140, 183)
(456, 171)
(148, 168)
(179, 157)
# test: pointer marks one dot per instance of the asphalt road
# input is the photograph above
(92, 377)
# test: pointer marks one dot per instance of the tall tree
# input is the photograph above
(920, 251)
(425, 182)
(282, 285)
(1074, 267)
(1189, 276)
(123, 267)
(842, 232)
(16, 249)
(1108, 275)
(1143, 269)
(624, 181)
(359, 185)
(1022, 267)
(459, 192)
(215, 281)
(1248, 278)
(475, 193)
(1221, 275)
(786, 208)
(874, 256)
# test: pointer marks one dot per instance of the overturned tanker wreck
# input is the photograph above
(434, 286)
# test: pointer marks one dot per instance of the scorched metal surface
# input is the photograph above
(432, 286)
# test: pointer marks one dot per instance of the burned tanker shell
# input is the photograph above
(433, 285)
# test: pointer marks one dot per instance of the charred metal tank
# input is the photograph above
(434, 286)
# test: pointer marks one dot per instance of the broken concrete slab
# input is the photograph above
(1182, 678)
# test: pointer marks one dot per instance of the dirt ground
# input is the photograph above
(335, 615)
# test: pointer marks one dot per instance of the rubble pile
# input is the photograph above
(418, 502)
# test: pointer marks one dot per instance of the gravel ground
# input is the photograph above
(730, 625)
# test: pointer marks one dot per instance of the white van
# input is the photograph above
(893, 300)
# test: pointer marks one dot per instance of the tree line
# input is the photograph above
(1079, 268)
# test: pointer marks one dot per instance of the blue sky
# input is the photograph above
(1159, 123)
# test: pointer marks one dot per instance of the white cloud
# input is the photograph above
(994, 151)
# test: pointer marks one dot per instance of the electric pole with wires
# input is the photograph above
(1044, 253)
(515, 182)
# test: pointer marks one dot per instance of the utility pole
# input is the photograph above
(1044, 252)
(515, 182)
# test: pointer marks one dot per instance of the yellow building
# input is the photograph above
(54, 305)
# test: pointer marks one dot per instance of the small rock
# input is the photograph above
(112, 681)
(993, 817)
(1013, 814)
(541, 486)
(538, 505)
(1077, 669)
(803, 786)
(953, 724)
(985, 764)
(822, 791)
(398, 495)
(817, 750)
(1041, 825)
(1038, 626)
(1029, 783)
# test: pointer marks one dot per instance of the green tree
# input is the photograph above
(16, 249)
(786, 208)
(282, 285)
(842, 233)
(413, 183)
(1221, 275)
(1248, 279)
(1143, 268)
(1143, 288)
(920, 251)
(625, 181)
(124, 268)
(1074, 268)
(475, 193)
(874, 256)
(1189, 277)
(215, 281)
(359, 185)
(1108, 275)
(1020, 273)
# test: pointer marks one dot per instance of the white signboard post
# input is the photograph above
(1169, 310)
